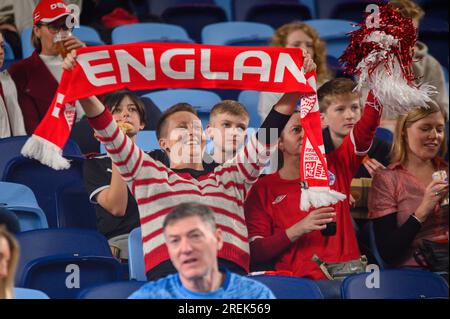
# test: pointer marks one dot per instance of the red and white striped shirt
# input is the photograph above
(158, 190)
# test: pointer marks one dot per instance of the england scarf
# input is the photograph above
(141, 66)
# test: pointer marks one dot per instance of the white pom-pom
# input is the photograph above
(387, 80)
(389, 85)
(386, 41)
(45, 152)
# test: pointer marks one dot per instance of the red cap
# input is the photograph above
(50, 10)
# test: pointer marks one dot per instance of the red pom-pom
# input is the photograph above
(391, 22)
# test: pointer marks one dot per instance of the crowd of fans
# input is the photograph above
(245, 222)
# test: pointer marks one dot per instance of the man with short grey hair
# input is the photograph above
(193, 241)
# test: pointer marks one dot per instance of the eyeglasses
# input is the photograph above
(54, 28)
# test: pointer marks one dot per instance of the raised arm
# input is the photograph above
(256, 153)
(280, 113)
(356, 145)
(364, 130)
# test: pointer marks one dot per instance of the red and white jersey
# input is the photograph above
(158, 190)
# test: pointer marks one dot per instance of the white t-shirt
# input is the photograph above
(11, 118)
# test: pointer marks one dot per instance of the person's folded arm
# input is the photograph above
(265, 243)
(264, 249)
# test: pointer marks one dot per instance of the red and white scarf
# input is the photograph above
(141, 66)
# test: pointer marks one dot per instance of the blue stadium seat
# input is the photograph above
(45, 182)
(384, 134)
(25, 40)
(9, 53)
(353, 10)
(136, 264)
(139, 8)
(242, 9)
(237, 33)
(20, 200)
(24, 293)
(49, 242)
(368, 228)
(226, 6)
(62, 276)
(284, 287)
(334, 33)
(437, 42)
(74, 210)
(83, 134)
(335, 66)
(10, 147)
(194, 15)
(146, 140)
(114, 290)
(250, 100)
(272, 12)
(149, 32)
(325, 8)
(312, 5)
(88, 35)
(395, 284)
(201, 100)
(61, 262)
(158, 7)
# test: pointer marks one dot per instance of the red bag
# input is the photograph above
(118, 16)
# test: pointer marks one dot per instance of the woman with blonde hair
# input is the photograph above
(297, 35)
(9, 256)
(406, 199)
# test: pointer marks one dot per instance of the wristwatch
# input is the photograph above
(417, 218)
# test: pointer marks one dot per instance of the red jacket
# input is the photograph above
(36, 88)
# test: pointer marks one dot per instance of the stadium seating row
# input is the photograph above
(224, 33)
(333, 32)
(278, 11)
(57, 253)
(397, 284)
(73, 263)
